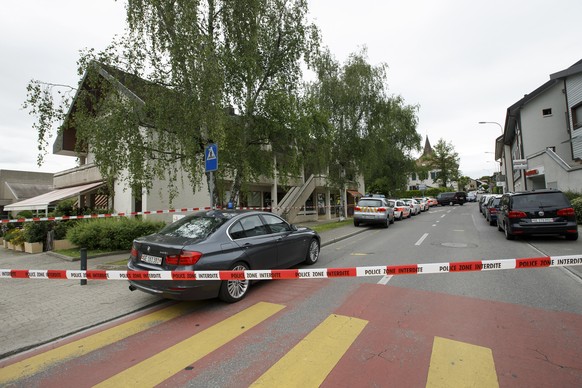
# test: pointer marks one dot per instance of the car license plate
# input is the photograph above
(542, 220)
(151, 259)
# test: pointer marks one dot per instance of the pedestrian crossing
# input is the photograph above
(50, 358)
(311, 359)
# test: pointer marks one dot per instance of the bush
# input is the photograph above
(61, 228)
(25, 214)
(577, 205)
(16, 237)
(35, 231)
(111, 233)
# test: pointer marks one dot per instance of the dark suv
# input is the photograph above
(537, 212)
(451, 198)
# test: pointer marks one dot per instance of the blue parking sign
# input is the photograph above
(211, 157)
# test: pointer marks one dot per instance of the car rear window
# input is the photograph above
(535, 201)
(193, 227)
(370, 202)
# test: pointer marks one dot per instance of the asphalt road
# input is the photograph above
(502, 328)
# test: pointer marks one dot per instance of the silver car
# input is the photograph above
(373, 210)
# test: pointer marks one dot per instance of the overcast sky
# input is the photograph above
(461, 61)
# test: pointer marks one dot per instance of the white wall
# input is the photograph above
(540, 132)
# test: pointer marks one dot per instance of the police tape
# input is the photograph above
(150, 212)
(280, 274)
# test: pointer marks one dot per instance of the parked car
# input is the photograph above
(491, 209)
(452, 198)
(219, 240)
(537, 212)
(472, 196)
(423, 202)
(432, 201)
(414, 205)
(373, 210)
(401, 210)
(483, 202)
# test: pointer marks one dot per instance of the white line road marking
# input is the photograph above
(420, 240)
(443, 215)
(385, 280)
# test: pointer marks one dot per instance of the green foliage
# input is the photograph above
(25, 214)
(110, 233)
(357, 127)
(572, 195)
(62, 227)
(36, 231)
(16, 237)
(445, 160)
(65, 208)
(577, 205)
(8, 234)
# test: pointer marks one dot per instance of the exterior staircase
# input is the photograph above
(295, 198)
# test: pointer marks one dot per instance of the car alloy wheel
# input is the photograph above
(234, 290)
(312, 252)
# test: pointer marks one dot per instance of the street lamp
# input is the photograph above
(492, 122)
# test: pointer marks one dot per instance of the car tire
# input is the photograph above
(386, 223)
(571, 237)
(312, 252)
(392, 220)
(356, 223)
(491, 222)
(508, 234)
(232, 291)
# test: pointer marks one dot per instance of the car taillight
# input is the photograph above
(381, 210)
(567, 212)
(492, 210)
(185, 258)
(516, 214)
(133, 252)
(358, 209)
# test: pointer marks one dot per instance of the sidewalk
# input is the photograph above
(39, 311)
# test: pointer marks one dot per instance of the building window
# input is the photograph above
(547, 112)
(577, 115)
(413, 177)
(433, 175)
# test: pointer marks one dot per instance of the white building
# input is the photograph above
(543, 133)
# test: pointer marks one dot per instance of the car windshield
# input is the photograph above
(193, 227)
(541, 200)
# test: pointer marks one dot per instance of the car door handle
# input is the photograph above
(247, 245)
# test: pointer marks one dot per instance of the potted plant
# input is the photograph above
(34, 234)
(17, 239)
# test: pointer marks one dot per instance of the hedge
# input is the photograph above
(111, 233)
(577, 205)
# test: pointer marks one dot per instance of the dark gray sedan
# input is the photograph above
(220, 240)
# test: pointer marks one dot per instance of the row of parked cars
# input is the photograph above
(376, 209)
(535, 212)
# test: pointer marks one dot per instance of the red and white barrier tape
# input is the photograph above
(81, 217)
(321, 273)
(149, 212)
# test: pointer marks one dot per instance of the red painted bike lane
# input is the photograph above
(531, 347)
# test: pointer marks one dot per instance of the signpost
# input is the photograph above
(210, 165)
(520, 164)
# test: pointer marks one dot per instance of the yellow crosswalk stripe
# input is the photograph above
(43, 361)
(312, 359)
(459, 364)
(174, 359)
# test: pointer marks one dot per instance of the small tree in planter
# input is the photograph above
(35, 234)
(16, 238)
